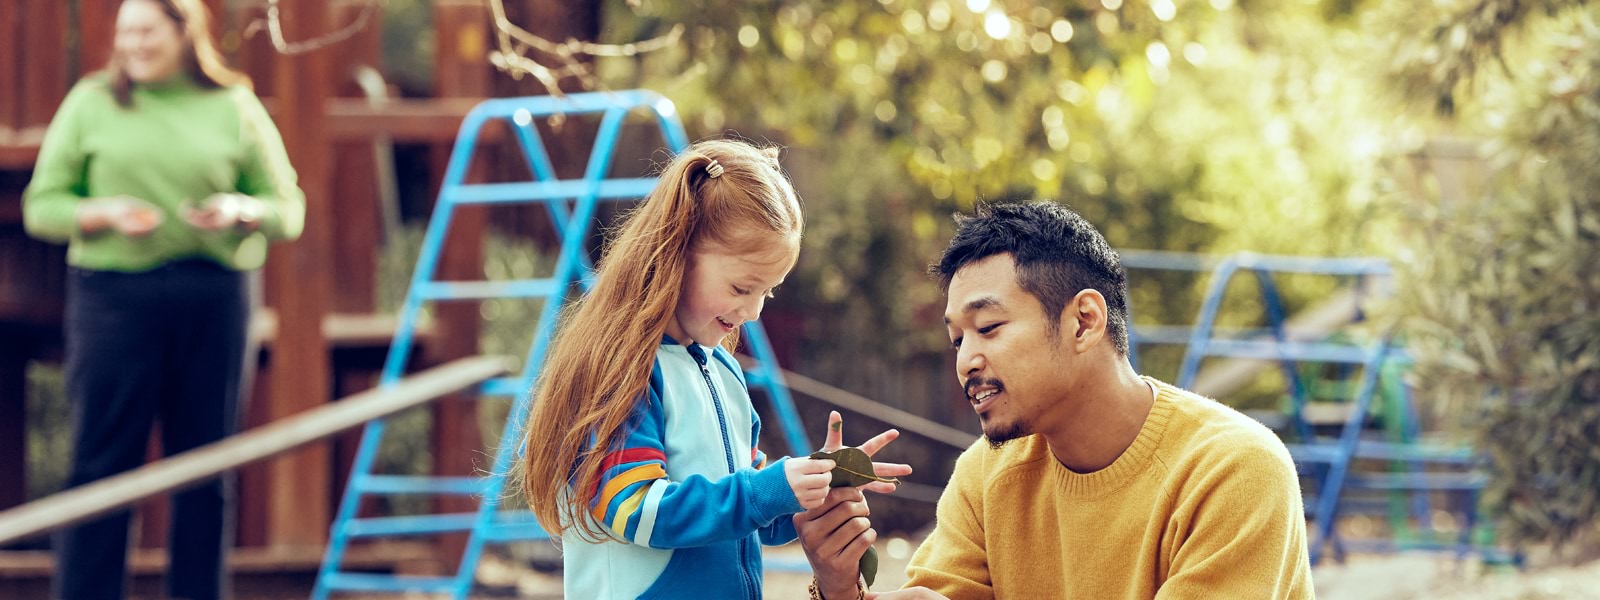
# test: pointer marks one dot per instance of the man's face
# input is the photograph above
(1014, 370)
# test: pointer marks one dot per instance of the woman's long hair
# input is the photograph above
(600, 359)
(201, 60)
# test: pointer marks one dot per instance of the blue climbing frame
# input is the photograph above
(573, 224)
(1326, 461)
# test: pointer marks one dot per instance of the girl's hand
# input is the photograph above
(809, 478)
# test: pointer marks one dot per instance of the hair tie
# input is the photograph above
(714, 169)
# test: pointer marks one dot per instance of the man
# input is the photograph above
(1092, 481)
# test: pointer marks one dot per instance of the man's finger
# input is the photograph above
(880, 487)
(835, 438)
(877, 443)
(884, 469)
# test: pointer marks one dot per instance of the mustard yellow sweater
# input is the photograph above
(1204, 504)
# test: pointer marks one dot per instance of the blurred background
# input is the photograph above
(1456, 142)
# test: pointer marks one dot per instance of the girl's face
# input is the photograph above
(148, 42)
(723, 289)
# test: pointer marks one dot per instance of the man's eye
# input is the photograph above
(985, 330)
(956, 343)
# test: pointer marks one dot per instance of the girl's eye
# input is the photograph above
(740, 292)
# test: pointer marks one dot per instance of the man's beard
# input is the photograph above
(1002, 434)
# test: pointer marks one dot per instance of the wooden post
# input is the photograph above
(44, 82)
(10, 62)
(299, 279)
(97, 23)
(462, 70)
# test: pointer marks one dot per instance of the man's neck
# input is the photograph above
(1111, 410)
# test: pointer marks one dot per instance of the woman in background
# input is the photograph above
(167, 180)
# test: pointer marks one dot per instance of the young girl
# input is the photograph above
(642, 429)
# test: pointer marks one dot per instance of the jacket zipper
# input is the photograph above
(727, 453)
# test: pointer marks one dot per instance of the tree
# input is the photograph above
(1504, 284)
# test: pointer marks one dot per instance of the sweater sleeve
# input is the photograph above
(1245, 535)
(266, 173)
(953, 560)
(781, 531)
(634, 498)
(50, 204)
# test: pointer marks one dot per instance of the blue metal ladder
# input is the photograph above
(1326, 461)
(489, 523)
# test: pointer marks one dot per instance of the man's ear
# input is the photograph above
(1085, 317)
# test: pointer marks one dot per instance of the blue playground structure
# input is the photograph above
(571, 205)
(1367, 450)
(1337, 460)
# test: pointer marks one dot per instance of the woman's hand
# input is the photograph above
(224, 211)
(126, 215)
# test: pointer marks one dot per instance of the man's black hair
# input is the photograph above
(1058, 254)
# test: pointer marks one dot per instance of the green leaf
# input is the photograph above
(869, 565)
(852, 468)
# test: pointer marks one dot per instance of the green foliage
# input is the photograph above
(1189, 126)
(1503, 286)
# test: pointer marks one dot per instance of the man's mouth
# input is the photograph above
(983, 394)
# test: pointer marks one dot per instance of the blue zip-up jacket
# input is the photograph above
(688, 490)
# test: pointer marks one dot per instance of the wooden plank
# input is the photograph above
(381, 555)
(433, 120)
(461, 29)
(112, 493)
(299, 279)
(872, 409)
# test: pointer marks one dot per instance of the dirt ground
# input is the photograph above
(1362, 577)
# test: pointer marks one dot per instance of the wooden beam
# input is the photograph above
(97, 24)
(460, 29)
(436, 120)
(11, 63)
(299, 279)
(43, 34)
(112, 493)
(873, 409)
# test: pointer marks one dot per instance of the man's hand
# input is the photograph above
(835, 441)
(836, 533)
(916, 593)
(834, 536)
